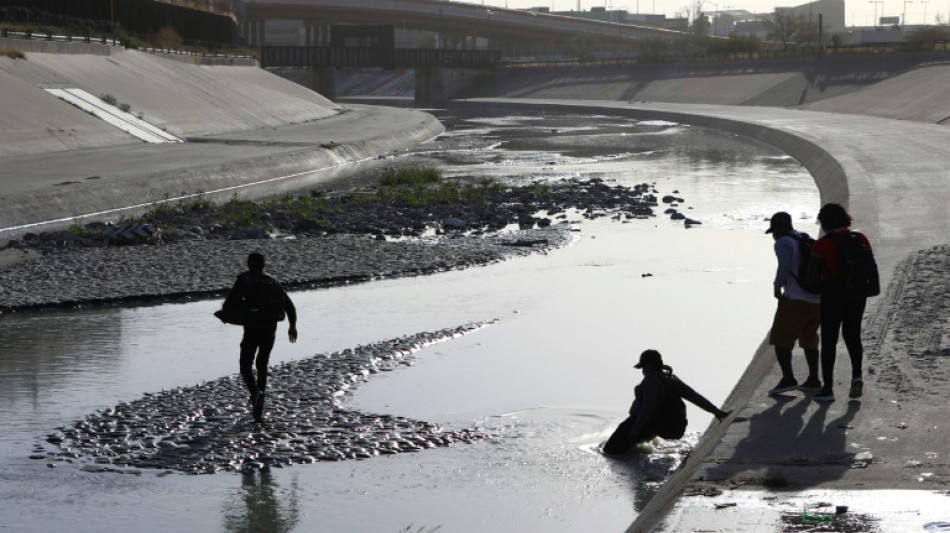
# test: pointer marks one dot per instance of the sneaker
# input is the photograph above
(810, 385)
(857, 388)
(825, 395)
(785, 385)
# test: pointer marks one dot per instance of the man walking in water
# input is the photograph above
(798, 314)
(265, 303)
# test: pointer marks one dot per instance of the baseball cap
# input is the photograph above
(650, 358)
(779, 220)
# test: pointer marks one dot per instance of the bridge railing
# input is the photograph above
(322, 56)
(429, 57)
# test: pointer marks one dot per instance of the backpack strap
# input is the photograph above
(799, 238)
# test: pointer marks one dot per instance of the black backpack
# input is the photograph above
(857, 273)
(805, 243)
(670, 419)
(265, 299)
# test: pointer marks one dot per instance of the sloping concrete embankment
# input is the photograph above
(903, 86)
(249, 133)
(184, 99)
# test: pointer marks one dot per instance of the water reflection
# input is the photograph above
(260, 505)
(44, 351)
(646, 473)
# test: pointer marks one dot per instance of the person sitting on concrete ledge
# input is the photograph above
(658, 409)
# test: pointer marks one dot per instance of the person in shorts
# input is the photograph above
(798, 313)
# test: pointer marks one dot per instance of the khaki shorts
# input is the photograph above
(795, 320)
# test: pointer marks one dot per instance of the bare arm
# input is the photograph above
(291, 311)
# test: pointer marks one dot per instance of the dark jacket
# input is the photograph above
(240, 292)
(650, 394)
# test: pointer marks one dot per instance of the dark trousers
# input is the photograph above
(621, 440)
(841, 312)
(256, 345)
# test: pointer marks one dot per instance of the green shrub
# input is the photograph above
(236, 212)
(77, 228)
(409, 176)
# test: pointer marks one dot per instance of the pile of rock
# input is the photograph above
(208, 427)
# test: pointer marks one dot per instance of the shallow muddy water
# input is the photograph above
(550, 379)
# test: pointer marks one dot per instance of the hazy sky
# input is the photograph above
(857, 12)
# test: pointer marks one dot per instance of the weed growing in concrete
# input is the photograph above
(111, 100)
(12, 54)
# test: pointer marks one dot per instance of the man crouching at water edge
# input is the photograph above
(266, 303)
(658, 409)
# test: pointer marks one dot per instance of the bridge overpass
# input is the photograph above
(499, 25)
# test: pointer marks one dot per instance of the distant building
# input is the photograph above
(890, 35)
(596, 13)
(723, 23)
(759, 27)
(658, 21)
(832, 12)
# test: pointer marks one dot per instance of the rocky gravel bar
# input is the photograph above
(208, 428)
(201, 269)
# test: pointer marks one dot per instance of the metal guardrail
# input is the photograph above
(187, 53)
(47, 36)
(69, 38)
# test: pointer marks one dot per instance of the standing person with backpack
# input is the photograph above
(843, 261)
(798, 312)
(263, 303)
(658, 409)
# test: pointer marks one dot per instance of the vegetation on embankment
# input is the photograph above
(403, 202)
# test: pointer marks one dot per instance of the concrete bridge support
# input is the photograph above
(316, 33)
(323, 81)
(430, 86)
(252, 32)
